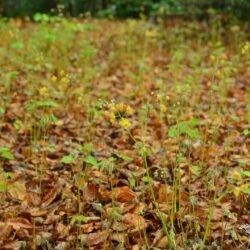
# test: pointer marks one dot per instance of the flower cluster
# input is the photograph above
(246, 48)
(63, 79)
(163, 102)
(118, 113)
(43, 91)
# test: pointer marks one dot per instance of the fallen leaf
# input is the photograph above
(17, 190)
(134, 222)
(50, 196)
(94, 239)
(123, 194)
(19, 222)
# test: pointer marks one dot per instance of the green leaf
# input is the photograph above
(5, 153)
(2, 186)
(53, 118)
(124, 157)
(147, 179)
(68, 159)
(246, 191)
(78, 219)
(185, 128)
(2, 110)
(91, 160)
(88, 147)
(196, 170)
(40, 104)
(246, 173)
(246, 132)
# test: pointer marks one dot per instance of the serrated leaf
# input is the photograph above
(68, 159)
(6, 154)
(78, 219)
(2, 186)
(91, 160)
(124, 157)
(147, 179)
(2, 110)
(246, 173)
(246, 132)
(246, 191)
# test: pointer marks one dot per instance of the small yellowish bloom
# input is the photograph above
(151, 33)
(121, 107)
(53, 78)
(163, 108)
(246, 48)
(129, 110)
(212, 58)
(80, 99)
(158, 97)
(112, 118)
(218, 73)
(241, 189)
(65, 80)
(236, 176)
(125, 123)
(43, 91)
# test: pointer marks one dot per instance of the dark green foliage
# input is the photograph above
(127, 8)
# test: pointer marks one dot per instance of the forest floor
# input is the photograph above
(124, 134)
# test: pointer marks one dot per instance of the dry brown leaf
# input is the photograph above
(162, 243)
(14, 245)
(5, 231)
(19, 222)
(90, 227)
(136, 247)
(23, 234)
(50, 196)
(17, 190)
(62, 246)
(165, 193)
(90, 193)
(119, 237)
(123, 194)
(94, 239)
(34, 199)
(62, 230)
(37, 212)
(134, 222)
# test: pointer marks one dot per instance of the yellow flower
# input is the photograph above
(246, 48)
(212, 58)
(65, 80)
(53, 78)
(43, 91)
(80, 99)
(111, 106)
(163, 108)
(241, 189)
(218, 73)
(151, 33)
(121, 107)
(129, 110)
(112, 118)
(158, 97)
(236, 176)
(125, 123)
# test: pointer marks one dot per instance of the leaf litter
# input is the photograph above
(110, 144)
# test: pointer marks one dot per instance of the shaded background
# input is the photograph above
(126, 8)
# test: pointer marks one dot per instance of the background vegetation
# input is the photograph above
(127, 8)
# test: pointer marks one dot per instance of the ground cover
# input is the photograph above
(124, 135)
